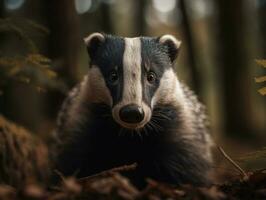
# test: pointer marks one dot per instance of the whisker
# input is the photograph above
(149, 126)
(161, 113)
(145, 131)
(155, 128)
(121, 132)
(139, 134)
(132, 133)
(156, 124)
(161, 116)
(107, 114)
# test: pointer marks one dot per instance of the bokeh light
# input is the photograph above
(13, 4)
(164, 6)
(82, 6)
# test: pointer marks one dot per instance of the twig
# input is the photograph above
(60, 174)
(126, 185)
(110, 172)
(245, 176)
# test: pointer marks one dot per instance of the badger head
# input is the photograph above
(132, 75)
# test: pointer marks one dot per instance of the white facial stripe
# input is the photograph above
(132, 91)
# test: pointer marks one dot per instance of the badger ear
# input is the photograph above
(93, 41)
(172, 45)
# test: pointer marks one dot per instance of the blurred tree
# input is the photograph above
(1, 16)
(23, 71)
(262, 25)
(21, 101)
(191, 53)
(106, 18)
(63, 47)
(1, 8)
(233, 69)
(139, 17)
(64, 38)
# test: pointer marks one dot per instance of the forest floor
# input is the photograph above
(111, 185)
(22, 157)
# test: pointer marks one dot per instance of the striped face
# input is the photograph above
(128, 73)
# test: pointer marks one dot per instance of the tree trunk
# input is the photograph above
(107, 26)
(139, 17)
(63, 47)
(262, 27)
(1, 8)
(191, 53)
(64, 39)
(233, 69)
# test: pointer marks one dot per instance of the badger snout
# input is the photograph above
(131, 114)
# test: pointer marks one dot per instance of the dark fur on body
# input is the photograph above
(159, 149)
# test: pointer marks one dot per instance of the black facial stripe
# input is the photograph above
(154, 57)
(109, 56)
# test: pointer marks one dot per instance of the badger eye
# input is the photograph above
(113, 77)
(151, 77)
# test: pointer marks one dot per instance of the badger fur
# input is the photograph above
(130, 108)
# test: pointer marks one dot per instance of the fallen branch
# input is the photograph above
(245, 176)
(110, 172)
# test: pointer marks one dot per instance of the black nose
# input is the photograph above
(131, 114)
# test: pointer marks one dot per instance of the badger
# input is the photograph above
(132, 108)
